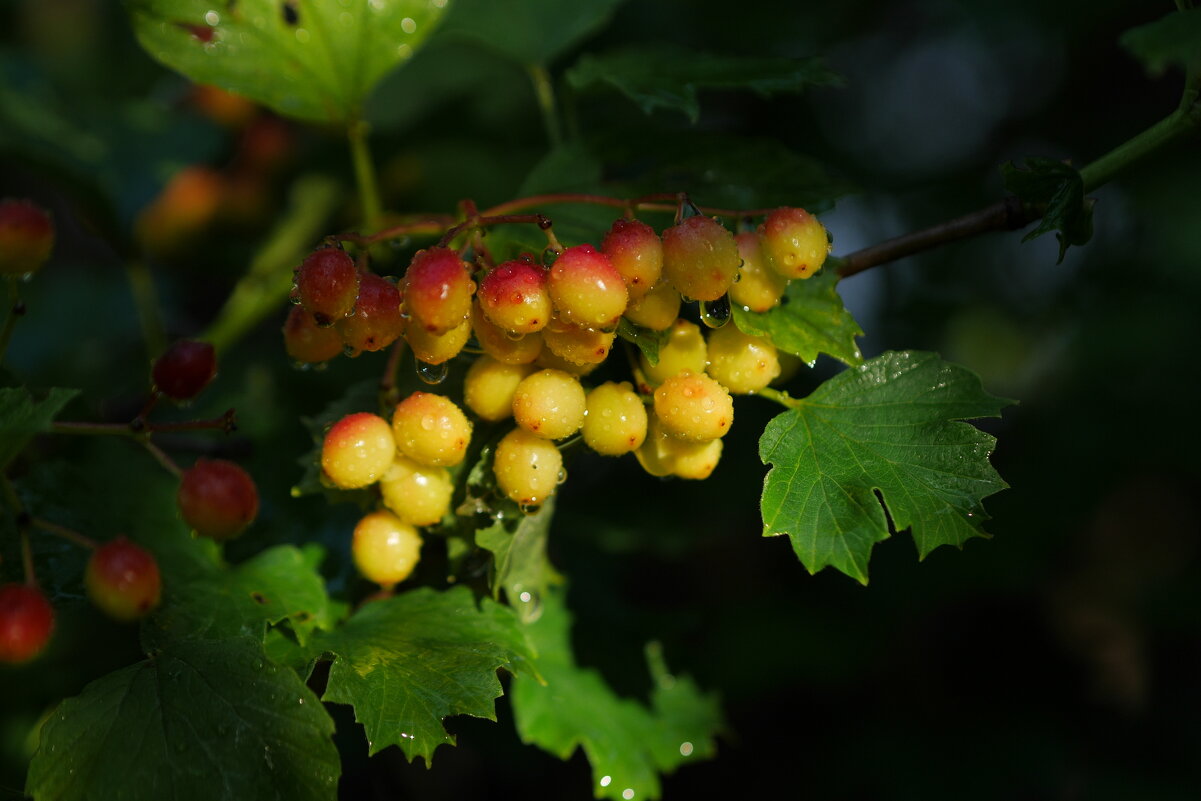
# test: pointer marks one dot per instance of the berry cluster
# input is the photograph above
(539, 332)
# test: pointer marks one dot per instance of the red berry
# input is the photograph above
(327, 284)
(218, 498)
(700, 258)
(514, 297)
(637, 253)
(26, 620)
(376, 322)
(26, 237)
(305, 342)
(184, 369)
(438, 290)
(123, 580)
(586, 289)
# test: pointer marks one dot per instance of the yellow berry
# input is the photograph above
(550, 404)
(357, 450)
(795, 242)
(740, 362)
(489, 386)
(693, 406)
(431, 430)
(700, 258)
(434, 348)
(657, 309)
(615, 421)
(417, 494)
(576, 344)
(759, 287)
(684, 349)
(502, 346)
(385, 549)
(528, 468)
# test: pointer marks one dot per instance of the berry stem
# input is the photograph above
(94, 429)
(780, 397)
(388, 395)
(364, 173)
(226, 423)
(64, 532)
(31, 578)
(145, 299)
(166, 461)
(544, 90)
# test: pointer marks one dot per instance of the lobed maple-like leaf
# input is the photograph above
(881, 436)
(407, 662)
(810, 319)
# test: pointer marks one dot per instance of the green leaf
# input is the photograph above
(528, 31)
(880, 436)
(314, 60)
(648, 341)
(670, 77)
(407, 662)
(628, 744)
(809, 320)
(1174, 40)
(213, 601)
(22, 415)
(201, 719)
(520, 566)
(1058, 187)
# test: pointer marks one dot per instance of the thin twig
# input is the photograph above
(163, 459)
(64, 532)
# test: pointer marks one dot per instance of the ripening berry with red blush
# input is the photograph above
(26, 622)
(795, 242)
(376, 322)
(514, 297)
(637, 253)
(308, 343)
(700, 258)
(26, 237)
(123, 580)
(586, 288)
(438, 290)
(357, 450)
(184, 369)
(327, 283)
(218, 498)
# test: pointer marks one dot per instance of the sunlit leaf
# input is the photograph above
(810, 319)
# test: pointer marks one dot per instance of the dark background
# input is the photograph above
(1058, 660)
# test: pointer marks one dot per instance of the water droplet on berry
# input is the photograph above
(715, 313)
(514, 336)
(529, 509)
(432, 373)
(561, 477)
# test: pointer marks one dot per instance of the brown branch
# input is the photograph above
(1005, 215)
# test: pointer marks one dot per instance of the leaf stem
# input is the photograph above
(93, 429)
(544, 90)
(145, 299)
(64, 532)
(364, 173)
(780, 397)
(1177, 125)
(31, 578)
(16, 310)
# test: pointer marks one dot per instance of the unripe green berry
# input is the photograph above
(693, 406)
(358, 450)
(489, 387)
(550, 404)
(759, 287)
(417, 494)
(385, 549)
(615, 420)
(795, 242)
(700, 258)
(528, 468)
(684, 349)
(740, 362)
(431, 430)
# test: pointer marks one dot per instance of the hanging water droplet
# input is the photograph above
(514, 336)
(715, 313)
(432, 373)
(548, 256)
(529, 508)
(559, 479)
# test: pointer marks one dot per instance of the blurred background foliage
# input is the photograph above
(1058, 660)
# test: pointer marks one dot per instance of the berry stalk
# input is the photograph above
(16, 310)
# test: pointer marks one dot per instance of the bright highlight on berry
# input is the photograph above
(514, 297)
(437, 290)
(385, 549)
(431, 430)
(586, 289)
